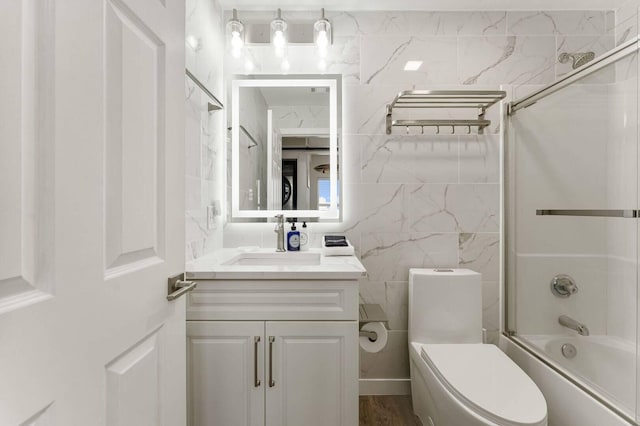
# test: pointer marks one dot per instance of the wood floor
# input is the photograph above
(387, 410)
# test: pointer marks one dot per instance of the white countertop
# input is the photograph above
(213, 266)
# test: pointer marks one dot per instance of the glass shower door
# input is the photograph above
(572, 235)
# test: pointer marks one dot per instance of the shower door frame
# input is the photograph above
(509, 325)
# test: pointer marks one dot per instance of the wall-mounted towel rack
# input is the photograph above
(215, 104)
(246, 132)
(419, 99)
(629, 214)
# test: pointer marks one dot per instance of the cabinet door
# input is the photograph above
(225, 361)
(314, 367)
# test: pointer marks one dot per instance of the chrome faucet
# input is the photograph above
(568, 322)
(280, 231)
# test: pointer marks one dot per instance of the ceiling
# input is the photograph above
(424, 5)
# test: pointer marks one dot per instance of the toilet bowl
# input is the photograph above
(456, 380)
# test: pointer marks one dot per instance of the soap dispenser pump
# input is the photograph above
(293, 238)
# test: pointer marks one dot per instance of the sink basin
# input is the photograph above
(275, 259)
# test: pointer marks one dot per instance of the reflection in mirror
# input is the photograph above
(285, 147)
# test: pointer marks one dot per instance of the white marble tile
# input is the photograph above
(373, 292)
(350, 152)
(481, 252)
(409, 159)
(192, 131)
(205, 40)
(610, 22)
(480, 158)
(506, 60)
(556, 22)
(491, 305)
(390, 362)
(365, 107)
(454, 207)
(626, 30)
(383, 59)
(375, 207)
(418, 23)
(242, 238)
(301, 116)
(342, 57)
(397, 304)
(388, 256)
(193, 193)
(393, 298)
(572, 44)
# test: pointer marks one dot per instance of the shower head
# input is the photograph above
(578, 58)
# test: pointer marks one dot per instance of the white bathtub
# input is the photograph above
(602, 363)
(568, 404)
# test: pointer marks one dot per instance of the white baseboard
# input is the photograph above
(385, 386)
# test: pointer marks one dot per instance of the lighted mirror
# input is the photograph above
(284, 147)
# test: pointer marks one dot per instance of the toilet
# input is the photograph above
(456, 380)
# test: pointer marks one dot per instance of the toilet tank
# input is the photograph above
(445, 306)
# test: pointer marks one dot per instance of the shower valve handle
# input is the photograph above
(563, 286)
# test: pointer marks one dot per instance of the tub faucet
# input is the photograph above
(568, 322)
(280, 231)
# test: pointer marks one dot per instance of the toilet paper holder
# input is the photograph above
(371, 313)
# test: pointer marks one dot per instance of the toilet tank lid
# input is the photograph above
(487, 380)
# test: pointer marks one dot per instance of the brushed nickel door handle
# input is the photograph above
(176, 286)
(272, 382)
(256, 380)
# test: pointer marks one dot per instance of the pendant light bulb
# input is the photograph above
(279, 34)
(235, 34)
(322, 32)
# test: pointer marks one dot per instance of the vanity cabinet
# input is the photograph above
(273, 353)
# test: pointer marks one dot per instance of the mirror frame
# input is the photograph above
(333, 211)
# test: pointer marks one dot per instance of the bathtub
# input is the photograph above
(605, 364)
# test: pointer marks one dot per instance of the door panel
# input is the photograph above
(92, 213)
(26, 153)
(224, 360)
(133, 383)
(134, 140)
(315, 370)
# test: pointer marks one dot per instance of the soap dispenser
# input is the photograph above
(293, 239)
(304, 237)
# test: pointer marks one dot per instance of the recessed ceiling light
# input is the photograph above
(412, 65)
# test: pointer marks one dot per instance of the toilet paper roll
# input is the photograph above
(380, 342)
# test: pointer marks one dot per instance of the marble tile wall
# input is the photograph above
(204, 131)
(423, 200)
(626, 21)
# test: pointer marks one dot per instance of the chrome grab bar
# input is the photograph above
(272, 382)
(256, 380)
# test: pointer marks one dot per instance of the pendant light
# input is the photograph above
(235, 34)
(322, 33)
(279, 35)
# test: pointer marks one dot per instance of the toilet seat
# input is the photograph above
(484, 379)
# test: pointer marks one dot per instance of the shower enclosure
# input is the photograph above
(571, 202)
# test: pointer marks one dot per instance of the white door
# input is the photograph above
(226, 377)
(91, 212)
(314, 366)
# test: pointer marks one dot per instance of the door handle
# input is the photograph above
(272, 382)
(256, 381)
(176, 286)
